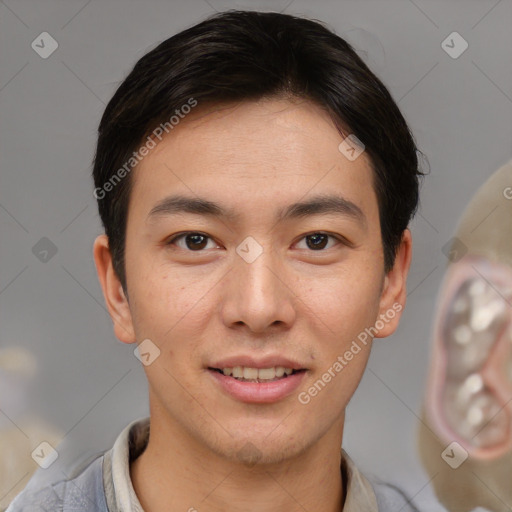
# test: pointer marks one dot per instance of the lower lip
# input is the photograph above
(259, 392)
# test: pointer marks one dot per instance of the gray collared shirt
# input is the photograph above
(105, 484)
(121, 496)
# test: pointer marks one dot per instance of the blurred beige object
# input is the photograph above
(20, 432)
(19, 361)
(465, 438)
(16, 463)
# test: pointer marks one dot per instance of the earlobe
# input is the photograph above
(115, 299)
(394, 290)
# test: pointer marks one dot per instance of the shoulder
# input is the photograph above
(391, 498)
(83, 492)
(369, 492)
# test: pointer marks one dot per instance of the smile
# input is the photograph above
(247, 374)
(258, 385)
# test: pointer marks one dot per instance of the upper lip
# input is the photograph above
(249, 361)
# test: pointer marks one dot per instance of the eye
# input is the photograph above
(195, 241)
(319, 241)
(191, 240)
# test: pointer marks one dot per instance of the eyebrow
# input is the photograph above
(318, 205)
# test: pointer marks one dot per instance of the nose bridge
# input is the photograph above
(257, 294)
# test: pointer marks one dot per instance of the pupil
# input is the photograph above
(198, 241)
(318, 241)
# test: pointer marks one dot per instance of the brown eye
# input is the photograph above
(192, 241)
(195, 241)
(319, 241)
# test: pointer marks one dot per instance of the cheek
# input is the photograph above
(343, 312)
(346, 303)
(171, 309)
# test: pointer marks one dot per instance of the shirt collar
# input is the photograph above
(131, 442)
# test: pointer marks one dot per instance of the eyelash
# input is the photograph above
(185, 233)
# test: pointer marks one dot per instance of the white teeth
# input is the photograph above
(266, 373)
(248, 373)
(279, 371)
(462, 334)
(477, 287)
(474, 383)
(475, 415)
(471, 385)
(482, 317)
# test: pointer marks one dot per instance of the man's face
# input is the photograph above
(205, 298)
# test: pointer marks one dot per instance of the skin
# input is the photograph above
(197, 307)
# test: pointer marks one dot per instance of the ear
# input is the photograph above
(115, 299)
(394, 290)
(450, 401)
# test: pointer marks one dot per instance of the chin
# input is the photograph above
(259, 449)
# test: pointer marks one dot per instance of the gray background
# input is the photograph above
(89, 384)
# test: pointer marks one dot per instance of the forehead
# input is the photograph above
(253, 153)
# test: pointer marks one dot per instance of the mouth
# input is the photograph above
(257, 385)
(257, 375)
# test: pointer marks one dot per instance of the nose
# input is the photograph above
(258, 295)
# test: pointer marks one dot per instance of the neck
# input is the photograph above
(177, 472)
